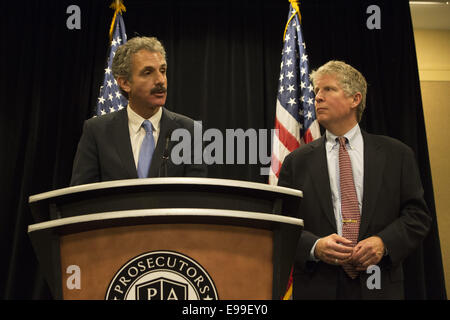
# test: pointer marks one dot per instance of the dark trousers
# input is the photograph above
(348, 288)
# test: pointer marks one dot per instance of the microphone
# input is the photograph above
(165, 157)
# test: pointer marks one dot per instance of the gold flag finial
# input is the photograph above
(118, 7)
(295, 5)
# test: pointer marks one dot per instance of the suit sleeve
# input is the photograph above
(307, 238)
(405, 234)
(197, 167)
(86, 164)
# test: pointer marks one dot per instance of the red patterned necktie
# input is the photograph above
(349, 203)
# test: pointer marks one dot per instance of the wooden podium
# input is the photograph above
(166, 238)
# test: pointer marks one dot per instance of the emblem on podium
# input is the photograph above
(162, 275)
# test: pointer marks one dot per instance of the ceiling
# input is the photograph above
(430, 14)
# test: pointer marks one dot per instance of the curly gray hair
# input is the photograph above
(350, 80)
(121, 65)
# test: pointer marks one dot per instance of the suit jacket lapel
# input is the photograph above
(374, 163)
(321, 180)
(120, 135)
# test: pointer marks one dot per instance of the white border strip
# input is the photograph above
(113, 215)
(160, 181)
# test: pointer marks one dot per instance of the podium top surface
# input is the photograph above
(255, 219)
(165, 181)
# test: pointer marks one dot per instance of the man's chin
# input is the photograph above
(154, 108)
(154, 103)
(157, 102)
(321, 120)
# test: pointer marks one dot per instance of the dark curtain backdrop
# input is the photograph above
(224, 59)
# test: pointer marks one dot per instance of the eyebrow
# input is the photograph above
(326, 86)
(153, 68)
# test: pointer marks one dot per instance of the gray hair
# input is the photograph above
(350, 80)
(121, 65)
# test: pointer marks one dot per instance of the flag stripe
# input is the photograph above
(283, 151)
(285, 137)
(276, 167)
(312, 133)
(289, 122)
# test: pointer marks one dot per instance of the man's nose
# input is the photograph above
(160, 79)
(319, 96)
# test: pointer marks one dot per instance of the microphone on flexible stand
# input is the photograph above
(165, 157)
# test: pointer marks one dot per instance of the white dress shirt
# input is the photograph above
(355, 149)
(137, 132)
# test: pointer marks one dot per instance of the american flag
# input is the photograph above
(110, 99)
(295, 120)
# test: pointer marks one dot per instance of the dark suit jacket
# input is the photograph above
(393, 208)
(104, 151)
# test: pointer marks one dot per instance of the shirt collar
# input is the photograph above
(135, 120)
(354, 138)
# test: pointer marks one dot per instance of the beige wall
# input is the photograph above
(433, 57)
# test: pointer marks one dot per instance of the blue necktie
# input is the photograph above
(146, 152)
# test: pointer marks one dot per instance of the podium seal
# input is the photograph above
(162, 275)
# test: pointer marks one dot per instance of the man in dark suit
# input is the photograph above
(110, 146)
(390, 217)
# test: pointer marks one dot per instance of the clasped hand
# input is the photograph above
(337, 250)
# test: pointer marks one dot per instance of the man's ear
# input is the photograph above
(124, 84)
(357, 97)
